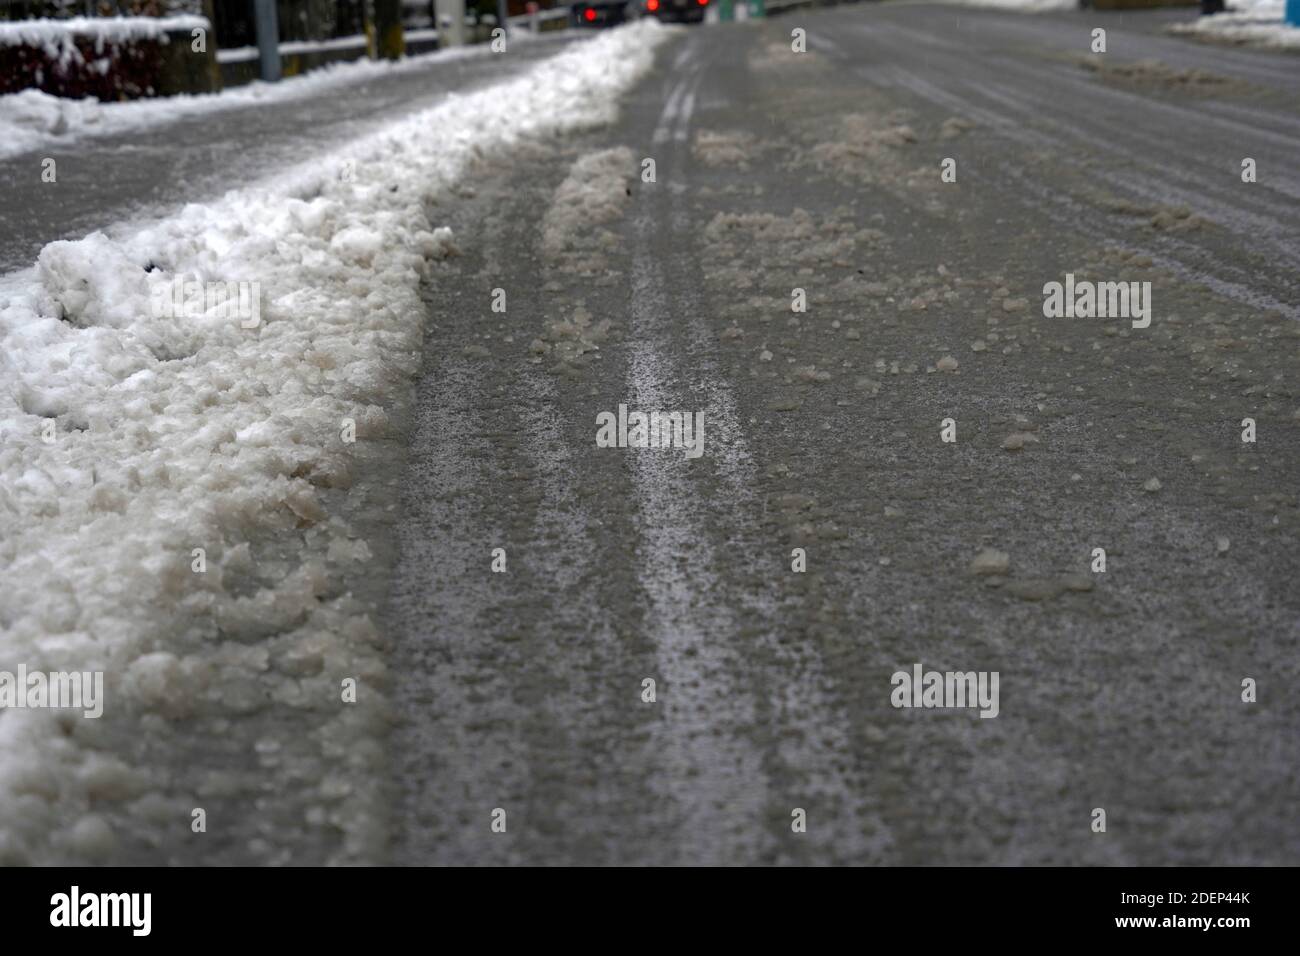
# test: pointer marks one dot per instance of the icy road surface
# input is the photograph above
(522, 691)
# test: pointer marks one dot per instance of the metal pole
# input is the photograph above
(501, 16)
(451, 22)
(268, 38)
(390, 41)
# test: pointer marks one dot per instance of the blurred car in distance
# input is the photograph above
(675, 11)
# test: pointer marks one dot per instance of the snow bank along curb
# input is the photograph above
(128, 441)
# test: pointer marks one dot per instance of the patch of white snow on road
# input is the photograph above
(594, 193)
(170, 434)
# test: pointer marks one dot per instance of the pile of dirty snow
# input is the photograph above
(594, 193)
(130, 438)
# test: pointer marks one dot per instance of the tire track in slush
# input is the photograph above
(713, 775)
(710, 774)
(1187, 260)
(732, 785)
(516, 676)
(814, 742)
(452, 672)
(470, 750)
(606, 808)
(1042, 87)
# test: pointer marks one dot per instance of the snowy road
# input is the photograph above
(578, 654)
(522, 690)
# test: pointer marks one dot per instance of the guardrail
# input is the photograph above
(541, 16)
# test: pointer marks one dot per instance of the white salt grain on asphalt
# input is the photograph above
(1016, 441)
(991, 561)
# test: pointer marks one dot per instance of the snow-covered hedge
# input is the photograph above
(107, 58)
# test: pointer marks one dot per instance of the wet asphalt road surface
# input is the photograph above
(523, 691)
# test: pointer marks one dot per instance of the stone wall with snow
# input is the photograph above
(108, 58)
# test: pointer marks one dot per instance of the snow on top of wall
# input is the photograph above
(164, 433)
(243, 54)
(51, 34)
(58, 38)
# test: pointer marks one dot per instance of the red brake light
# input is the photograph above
(589, 14)
(652, 5)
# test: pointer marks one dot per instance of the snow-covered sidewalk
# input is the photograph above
(145, 439)
(1247, 23)
(33, 120)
